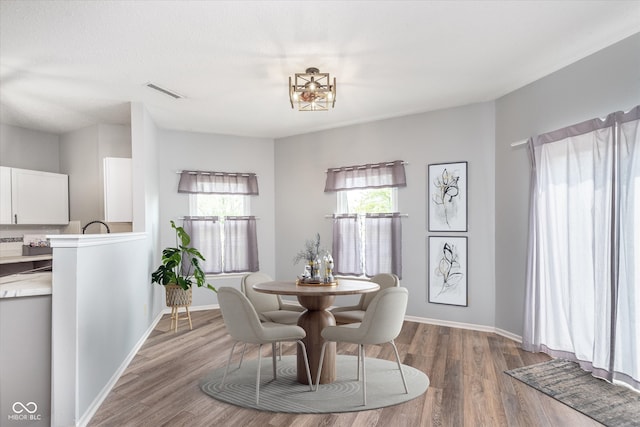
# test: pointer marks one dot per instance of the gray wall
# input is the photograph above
(604, 82)
(198, 151)
(81, 157)
(457, 134)
(29, 149)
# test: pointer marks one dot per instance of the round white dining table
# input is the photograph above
(317, 299)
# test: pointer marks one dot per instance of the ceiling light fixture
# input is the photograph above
(312, 91)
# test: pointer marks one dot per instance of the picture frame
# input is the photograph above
(447, 196)
(447, 275)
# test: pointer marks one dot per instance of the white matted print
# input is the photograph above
(448, 270)
(447, 192)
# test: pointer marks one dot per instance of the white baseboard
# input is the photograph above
(510, 335)
(167, 310)
(93, 408)
(469, 326)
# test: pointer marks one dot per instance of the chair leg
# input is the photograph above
(364, 378)
(395, 349)
(226, 371)
(306, 364)
(324, 344)
(273, 359)
(244, 348)
(258, 375)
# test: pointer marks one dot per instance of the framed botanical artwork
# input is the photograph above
(447, 270)
(447, 196)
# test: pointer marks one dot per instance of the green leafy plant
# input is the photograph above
(181, 264)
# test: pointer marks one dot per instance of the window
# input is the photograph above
(374, 200)
(218, 205)
(219, 223)
(367, 234)
(360, 203)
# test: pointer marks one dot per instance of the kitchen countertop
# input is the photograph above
(18, 258)
(25, 285)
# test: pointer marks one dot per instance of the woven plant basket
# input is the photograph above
(178, 297)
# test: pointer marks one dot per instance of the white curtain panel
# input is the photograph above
(206, 236)
(346, 247)
(583, 278)
(383, 243)
(240, 244)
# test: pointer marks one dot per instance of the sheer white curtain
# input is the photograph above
(382, 242)
(346, 248)
(206, 236)
(218, 183)
(240, 244)
(583, 286)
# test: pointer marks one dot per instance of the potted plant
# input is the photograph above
(179, 271)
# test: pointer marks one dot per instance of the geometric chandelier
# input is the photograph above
(312, 91)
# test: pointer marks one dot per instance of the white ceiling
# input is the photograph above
(65, 65)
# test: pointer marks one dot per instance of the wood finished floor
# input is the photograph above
(466, 370)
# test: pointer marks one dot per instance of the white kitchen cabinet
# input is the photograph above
(118, 201)
(34, 197)
(5, 195)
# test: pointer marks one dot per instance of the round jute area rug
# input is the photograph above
(285, 394)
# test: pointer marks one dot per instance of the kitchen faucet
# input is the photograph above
(93, 222)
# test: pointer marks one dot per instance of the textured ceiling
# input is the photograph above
(65, 65)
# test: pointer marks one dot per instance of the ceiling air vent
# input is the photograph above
(165, 91)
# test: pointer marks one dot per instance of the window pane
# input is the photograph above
(375, 200)
(218, 204)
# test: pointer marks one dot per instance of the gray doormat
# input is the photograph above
(286, 394)
(565, 381)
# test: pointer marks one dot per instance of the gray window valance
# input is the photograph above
(218, 183)
(386, 174)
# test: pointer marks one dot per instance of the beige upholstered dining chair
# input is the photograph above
(355, 313)
(242, 323)
(270, 308)
(382, 323)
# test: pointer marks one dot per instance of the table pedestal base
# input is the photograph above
(313, 321)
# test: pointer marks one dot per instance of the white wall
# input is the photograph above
(604, 82)
(146, 196)
(210, 152)
(99, 287)
(458, 134)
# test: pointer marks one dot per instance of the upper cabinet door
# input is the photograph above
(118, 201)
(5, 196)
(39, 197)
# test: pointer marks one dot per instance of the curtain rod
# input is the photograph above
(334, 215)
(217, 173)
(375, 165)
(202, 218)
(519, 143)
